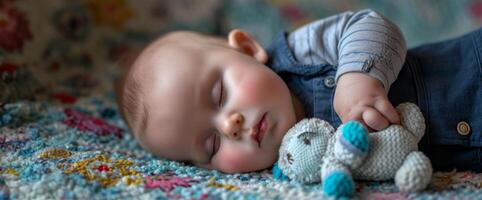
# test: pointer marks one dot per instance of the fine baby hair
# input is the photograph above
(312, 151)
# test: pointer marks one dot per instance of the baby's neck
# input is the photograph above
(298, 107)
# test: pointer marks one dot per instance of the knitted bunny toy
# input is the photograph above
(312, 151)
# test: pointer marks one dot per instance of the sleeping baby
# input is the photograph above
(226, 103)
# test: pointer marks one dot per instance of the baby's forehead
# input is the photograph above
(161, 58)
(169, 82)
(171, 131)
(158, 60)
(183, 43)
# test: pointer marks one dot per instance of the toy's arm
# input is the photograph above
(350, 149)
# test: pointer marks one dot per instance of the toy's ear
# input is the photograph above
(412, 119)
(312, 126)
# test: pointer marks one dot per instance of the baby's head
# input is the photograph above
(208, 101)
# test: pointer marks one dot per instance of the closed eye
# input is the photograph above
(215, 147)
(221, 94)
(218, 93)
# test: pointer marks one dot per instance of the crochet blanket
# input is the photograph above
(83, 151)
(61, 135)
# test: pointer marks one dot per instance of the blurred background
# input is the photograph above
(64, 50)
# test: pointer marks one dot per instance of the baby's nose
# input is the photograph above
(233, 125)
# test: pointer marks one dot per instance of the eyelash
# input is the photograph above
(214, 146)
(221, 95)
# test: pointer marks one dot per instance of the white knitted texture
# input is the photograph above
(333, 165)
(386, 154)
(393, 152)
(329, 162)
(412, 119)
(344, 155)
(415, 173)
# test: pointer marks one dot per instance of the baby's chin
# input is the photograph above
(246, 167)
(254, 169)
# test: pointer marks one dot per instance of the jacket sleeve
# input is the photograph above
(363, 41)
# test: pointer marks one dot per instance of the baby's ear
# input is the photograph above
(242, 41)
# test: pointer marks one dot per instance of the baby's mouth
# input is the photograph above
(260, 130)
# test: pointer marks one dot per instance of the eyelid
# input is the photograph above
(218, 93)
(208, 145)
(215, 93)
(212, 144)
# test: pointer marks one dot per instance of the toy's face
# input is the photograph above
(303, 148)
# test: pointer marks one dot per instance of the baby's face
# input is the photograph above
(216, 106)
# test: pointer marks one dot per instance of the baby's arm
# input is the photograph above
(368, 51)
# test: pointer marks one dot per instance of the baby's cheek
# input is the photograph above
(232, 162)
(252, 92)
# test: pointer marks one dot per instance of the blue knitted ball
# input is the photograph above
(354, 133)
(338, 184)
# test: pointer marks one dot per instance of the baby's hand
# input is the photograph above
(362, 98)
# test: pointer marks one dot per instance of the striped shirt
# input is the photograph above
(363, 41)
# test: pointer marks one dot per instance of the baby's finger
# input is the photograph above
(387, 110)
(354, 114)
(374, 119)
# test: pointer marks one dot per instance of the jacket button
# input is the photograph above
(463, 128)
(329, 81)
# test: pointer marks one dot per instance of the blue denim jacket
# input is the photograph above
(443, 79)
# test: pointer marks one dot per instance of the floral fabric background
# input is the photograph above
(61, 136)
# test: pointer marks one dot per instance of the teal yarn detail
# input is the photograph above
(278, 173)
(338, 184)
(354, 133)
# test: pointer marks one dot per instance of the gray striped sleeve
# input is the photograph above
(361, 41)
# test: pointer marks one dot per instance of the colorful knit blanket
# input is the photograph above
(83, 151)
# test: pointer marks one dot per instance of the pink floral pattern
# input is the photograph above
(167, 182)
(83, 122)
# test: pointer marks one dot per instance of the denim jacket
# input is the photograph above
(443, 79)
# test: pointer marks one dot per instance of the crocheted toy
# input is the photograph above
(312, 151)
